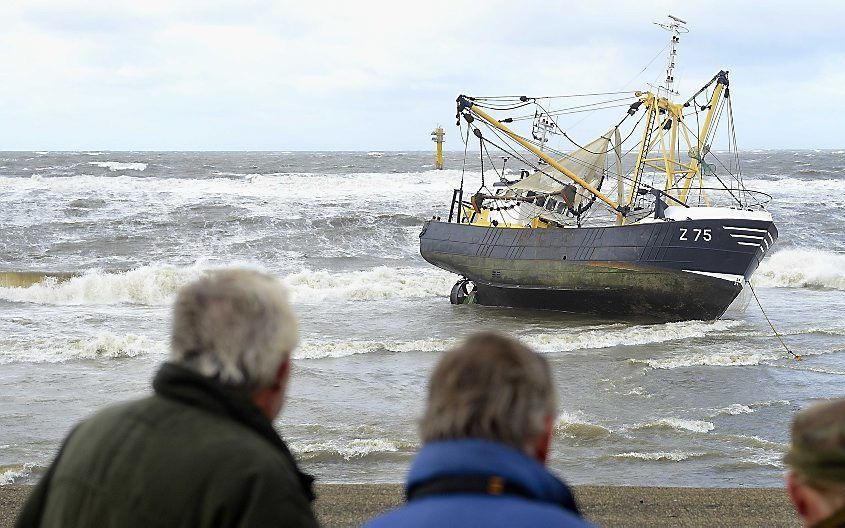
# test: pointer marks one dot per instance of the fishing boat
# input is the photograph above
(646, 220)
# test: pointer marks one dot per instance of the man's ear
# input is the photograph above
(544, 443)
(282, 373)
(796, 493)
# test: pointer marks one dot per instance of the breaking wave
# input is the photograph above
(752, 441)
(618, 335)
(103, 345)
(734, 409)
(350, 449)
(673, 456)
(115, 166)
(755, 460)
(573, 426)
(335, 349)
(13, 474)
(575, 339)
(802, 268)
(157, 285)
(373, 284)
(723, 358)
(149, 285)
(680, 424)
(334, 191)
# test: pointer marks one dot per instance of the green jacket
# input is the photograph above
(196, 453)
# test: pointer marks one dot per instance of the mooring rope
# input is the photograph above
(777, 334)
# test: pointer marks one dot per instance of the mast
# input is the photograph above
(664, 118)
(676, 27)
(660, 144)
(721, 80)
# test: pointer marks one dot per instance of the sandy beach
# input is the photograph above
(341, 505)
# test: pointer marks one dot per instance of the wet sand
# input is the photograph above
(351, 504)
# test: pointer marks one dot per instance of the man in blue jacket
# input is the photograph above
(486, 432)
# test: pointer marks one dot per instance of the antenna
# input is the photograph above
(676, 27)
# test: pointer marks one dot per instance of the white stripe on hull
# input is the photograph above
(723, 276)
(753, 237)
(751, 229)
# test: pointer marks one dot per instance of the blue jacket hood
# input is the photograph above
(470, 457)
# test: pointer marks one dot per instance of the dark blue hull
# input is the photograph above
(668, 270)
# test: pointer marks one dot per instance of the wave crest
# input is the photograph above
(374, 284)
(158, 284)
(673, 456)
(103, 345)
(350, 449)
(802, 268)
(150, 285)
(723, 358)
(15, 473)
(573, 426)
(609, 336)
(115, 166)
(680, 424)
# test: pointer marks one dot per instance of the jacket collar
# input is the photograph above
(836, 520)
(179, 383)
(476, 457)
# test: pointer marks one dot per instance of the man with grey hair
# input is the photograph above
(486, 431)
(816, 458)
(202, 450)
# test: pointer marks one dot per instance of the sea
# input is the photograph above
(94, 245)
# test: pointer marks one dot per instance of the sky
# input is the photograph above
(380, 75)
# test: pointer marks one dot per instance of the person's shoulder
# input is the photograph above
(110, 417)
(548, 514)
(475, 510)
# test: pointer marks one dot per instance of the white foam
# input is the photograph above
(612, 335)
(696, 426)
(774, 460)
(373, 284)
(673, 456)
(12, 474)
(802, 268)
(819, 370)
(755, 441)
(331, 190)
(336, 349)
(574, 425)
(150, 285)
(355, 448)
(639, 391)
(115, 166)
(735, 409)
(821, 190)
(157, 285)
(575, 339)
(103, 345)
(722, 358)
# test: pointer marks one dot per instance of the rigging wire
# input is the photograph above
(573, 109)
(604, 171)
(537, 168)
(711, 154)
(519, 97)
